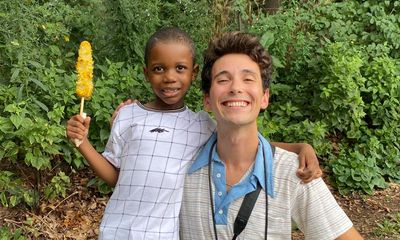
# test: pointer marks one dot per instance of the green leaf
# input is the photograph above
(28, 198)
(267, 39)
(102, 68)
(35, 64)
(55, 50)
(40, 104)
(13, 201)
(39, 84)
(69, 54)
(6, 126)
(16, 120)
(3, 199)
(276, 62)
(104, 134)
(20, 93)
(15, 74)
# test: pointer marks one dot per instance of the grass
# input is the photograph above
(390, 226)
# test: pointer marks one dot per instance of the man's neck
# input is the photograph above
(237, 148)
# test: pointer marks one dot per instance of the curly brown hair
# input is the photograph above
(236, 42)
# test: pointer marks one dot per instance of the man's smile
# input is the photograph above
(235, 103)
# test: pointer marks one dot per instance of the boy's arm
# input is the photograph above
(122, 104)
(309, 166)
(78, 128)
(351, 234)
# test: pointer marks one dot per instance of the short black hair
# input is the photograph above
(236, 42)
(167, 34)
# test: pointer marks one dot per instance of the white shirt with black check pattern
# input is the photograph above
(152, 150)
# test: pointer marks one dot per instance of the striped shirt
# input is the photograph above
(152, 150)
(311, 206)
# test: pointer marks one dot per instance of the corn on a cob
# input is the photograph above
(84, 84)
(84, 67)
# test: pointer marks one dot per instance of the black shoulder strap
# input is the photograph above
(273, 150)
(247, 207)
(244, 212)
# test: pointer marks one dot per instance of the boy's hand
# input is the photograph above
(78, 128)
(115, 113)
(309, 166)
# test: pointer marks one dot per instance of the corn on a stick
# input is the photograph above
(84, 84)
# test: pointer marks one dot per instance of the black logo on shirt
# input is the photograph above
(159, 130)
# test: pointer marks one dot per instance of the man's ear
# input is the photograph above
(265, 99)
(206, 102)
(195, 72)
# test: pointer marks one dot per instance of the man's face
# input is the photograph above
(236, 94)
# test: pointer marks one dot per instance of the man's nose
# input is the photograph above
(236, 86)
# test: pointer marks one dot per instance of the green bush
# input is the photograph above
(57, 186)
(336, 80)
(340, 61)
(38, 50)
(13, 191)
(6, 234)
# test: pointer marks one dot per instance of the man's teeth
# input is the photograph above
(236, 104)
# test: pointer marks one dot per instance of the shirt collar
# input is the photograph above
(264, 149)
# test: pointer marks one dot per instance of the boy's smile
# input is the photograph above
(236, 94)
(170, 71)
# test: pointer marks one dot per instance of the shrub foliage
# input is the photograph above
(337, 86)
(336, 81)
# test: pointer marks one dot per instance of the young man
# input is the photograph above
(237, 159)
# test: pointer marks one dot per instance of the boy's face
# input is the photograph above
(236, 94)
(170, 71)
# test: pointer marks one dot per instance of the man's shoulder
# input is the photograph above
(285, 164)
(282, 154)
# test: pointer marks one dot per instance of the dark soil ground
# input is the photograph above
(77, 215)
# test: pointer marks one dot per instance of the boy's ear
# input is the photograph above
(265, 99)
(146, 73)
(206, 102)
(195, 72)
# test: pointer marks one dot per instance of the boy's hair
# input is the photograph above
(169, 34)
(236, 42)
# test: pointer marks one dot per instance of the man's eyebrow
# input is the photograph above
(248, 71)
(223, 72)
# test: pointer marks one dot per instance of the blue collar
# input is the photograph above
(258, 172)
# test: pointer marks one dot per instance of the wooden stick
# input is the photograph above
(82, 102)
(74, 193)
(82, 114)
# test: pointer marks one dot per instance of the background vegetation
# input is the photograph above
(336, 81)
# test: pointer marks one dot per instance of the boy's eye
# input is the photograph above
(180, 68)
(158, 69)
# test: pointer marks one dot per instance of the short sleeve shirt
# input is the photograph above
(311, 206)
(152, 150)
